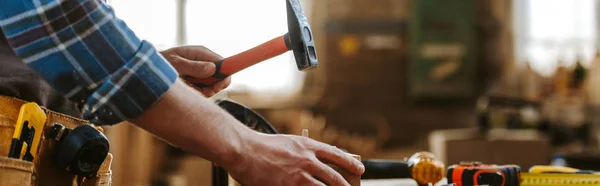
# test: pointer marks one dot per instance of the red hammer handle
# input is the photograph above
(238, 62)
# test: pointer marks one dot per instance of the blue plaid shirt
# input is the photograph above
(89, 55)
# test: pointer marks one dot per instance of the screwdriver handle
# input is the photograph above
(386, 169)
(241, 61)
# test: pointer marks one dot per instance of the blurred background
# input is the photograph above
(498, 81)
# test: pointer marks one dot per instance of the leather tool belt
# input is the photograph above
(42, 170)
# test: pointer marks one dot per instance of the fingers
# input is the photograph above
(212, 90)
(222, 84)
(207, 92)
(199, 53)
(311, 181)
(325, 173)
(195, 53)
(196, 69)
(340, 158)
(198, 63)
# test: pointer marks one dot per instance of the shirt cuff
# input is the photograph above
(132, 89)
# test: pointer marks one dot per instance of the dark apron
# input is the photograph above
(20, 81)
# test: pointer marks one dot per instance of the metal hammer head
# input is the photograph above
(301, 36)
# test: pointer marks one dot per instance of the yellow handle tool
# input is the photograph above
(28, 132)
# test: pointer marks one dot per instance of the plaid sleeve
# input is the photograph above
(89, 55)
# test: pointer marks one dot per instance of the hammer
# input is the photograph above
(299, 39)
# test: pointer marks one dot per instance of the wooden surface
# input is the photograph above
(136, 153)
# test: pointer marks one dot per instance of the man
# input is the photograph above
(76, 57)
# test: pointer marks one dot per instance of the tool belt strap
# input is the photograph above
(44, 171)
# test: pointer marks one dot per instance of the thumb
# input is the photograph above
(195, 69)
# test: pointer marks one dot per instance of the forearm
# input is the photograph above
(93, 58)
(185, 118)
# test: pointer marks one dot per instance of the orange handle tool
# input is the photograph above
(238, 62)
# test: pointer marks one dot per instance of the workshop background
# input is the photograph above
(497, 81)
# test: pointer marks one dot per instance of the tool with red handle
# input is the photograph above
(299, 39)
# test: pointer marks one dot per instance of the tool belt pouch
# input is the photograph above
(42, 171)
(14, 172)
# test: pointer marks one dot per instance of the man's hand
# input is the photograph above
(290, 160)
(196, 62)
(188, 120)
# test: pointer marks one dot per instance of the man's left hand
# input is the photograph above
(196, 62)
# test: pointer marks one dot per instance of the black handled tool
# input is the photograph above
(423, 167)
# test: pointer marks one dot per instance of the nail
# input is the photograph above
(361, 168)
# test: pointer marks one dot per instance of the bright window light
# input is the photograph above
(557, 30)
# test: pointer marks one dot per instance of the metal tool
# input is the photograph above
(423, 167)
(80, 151)
(299, 39)
(247, 116)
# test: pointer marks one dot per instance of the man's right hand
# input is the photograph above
(290, 160)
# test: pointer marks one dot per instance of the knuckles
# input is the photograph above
(307, 163)
(204, 67)
(173, 59)
(306, 143)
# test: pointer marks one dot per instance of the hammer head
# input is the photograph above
(301, 36)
